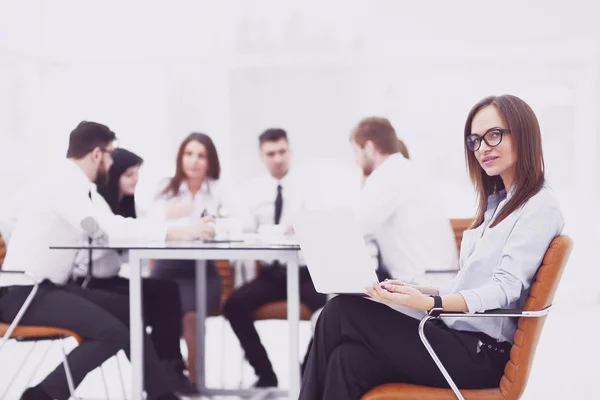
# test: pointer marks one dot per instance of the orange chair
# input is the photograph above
(278, 309)
(36, 334)
(459, 225)
(2, 250)
(226, 272)
(531, 321)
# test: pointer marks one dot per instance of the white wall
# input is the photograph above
(154, 72)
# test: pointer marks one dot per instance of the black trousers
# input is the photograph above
(382, 274)
(270, 285)
(161, 307)
(101, 318)
(359, 344)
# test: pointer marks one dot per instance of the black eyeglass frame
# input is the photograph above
(477, 139)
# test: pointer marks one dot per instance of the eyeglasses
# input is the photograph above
(114, 146)
(492, 137)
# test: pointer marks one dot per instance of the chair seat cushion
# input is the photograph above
(403, 391)
(278, 310)
(38, 332)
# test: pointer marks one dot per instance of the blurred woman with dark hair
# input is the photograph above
(193, 192)
(123, 177)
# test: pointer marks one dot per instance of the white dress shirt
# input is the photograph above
(214, 199)
(259, 198)
(53, 215)
(397, 209)
(497, 265)
(106, 263)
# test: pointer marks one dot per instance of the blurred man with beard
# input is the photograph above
(60, 211)
(398, 208)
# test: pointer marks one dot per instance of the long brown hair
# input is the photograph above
(529, 167)
(214, 166)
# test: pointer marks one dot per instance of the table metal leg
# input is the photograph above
(200, 324)
(136, 326)
(293, 311)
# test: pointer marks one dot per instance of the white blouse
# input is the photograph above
(213, 199)
(498, 265)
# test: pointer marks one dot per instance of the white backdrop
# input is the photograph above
(154, 72)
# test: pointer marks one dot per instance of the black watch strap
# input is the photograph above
(437, 308)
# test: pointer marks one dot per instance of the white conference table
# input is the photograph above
(249, 249)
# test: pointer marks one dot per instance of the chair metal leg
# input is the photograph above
(222, 336)
(12, 380)
(68, 372)
(436, 358)
(39, 364)
(242, 369)
(121, 377)
(242, 271)
(17, 319)
(104, 382)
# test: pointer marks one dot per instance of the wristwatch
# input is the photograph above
(437, 308)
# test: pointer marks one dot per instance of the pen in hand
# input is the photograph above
(205, 214)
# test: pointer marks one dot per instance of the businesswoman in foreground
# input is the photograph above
(359, 343)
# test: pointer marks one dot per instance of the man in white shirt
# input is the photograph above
(397, 207)
(272, 201)
(99, 269)
(59, 213)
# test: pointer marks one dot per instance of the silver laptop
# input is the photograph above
(334, 250)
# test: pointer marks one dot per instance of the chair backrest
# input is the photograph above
(225, 270)
(459, 225)
(541, 294)
(2, 250)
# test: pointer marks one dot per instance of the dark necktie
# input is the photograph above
(278, 205)
(278, 209)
